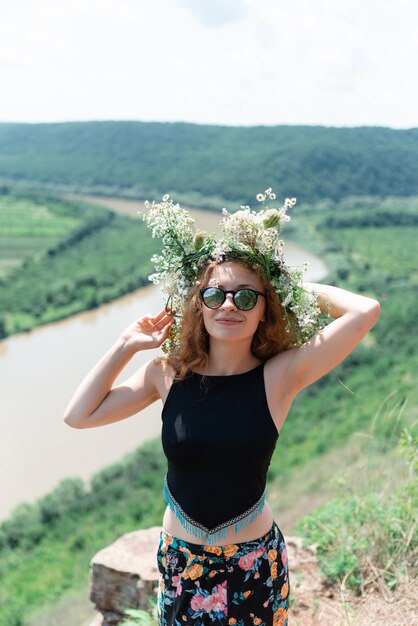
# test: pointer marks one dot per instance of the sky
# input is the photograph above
(228, 62)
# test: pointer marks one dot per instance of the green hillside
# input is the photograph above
(204, 165)
(347, 422)
(356, 209)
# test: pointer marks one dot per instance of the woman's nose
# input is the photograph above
(229, 303)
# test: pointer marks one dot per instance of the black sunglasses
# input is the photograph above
(244, 299)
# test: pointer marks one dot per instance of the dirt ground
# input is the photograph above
(315, 604)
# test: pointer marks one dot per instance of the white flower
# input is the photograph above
(287, 300)
(166, 197)
(261, 197)
(218, 255)
(289, 202)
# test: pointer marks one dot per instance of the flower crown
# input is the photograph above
(249, 237)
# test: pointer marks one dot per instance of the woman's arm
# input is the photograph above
(95, 402)
(354, 315)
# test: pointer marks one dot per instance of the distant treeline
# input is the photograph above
(378, 219)
(208, 165)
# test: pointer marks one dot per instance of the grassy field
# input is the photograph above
(29, 228)
(399, 258)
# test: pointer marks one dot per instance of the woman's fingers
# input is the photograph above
(164, 332)
(160, 333)
(154, 327)
(160, 316)
(166, 323)
(152, 320)
(163, 318)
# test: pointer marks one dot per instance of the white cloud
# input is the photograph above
(332, 62)
(216, 13)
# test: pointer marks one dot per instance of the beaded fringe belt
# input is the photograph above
(215, 535)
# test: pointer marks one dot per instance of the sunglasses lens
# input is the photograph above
(213, 297)
(245, 299)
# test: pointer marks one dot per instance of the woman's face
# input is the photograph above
(228, 322)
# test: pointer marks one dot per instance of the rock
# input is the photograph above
(124, 575)
(98, 620)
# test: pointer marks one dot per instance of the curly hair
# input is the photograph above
(271, 337)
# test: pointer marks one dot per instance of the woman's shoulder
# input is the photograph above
(280, 360)
(276, 372)
(162, 374)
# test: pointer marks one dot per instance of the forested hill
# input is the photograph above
(194, 162)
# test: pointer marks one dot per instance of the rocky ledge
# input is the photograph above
(124, 575)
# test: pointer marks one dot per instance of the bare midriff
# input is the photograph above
(256, 529)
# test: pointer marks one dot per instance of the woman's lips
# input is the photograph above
(227, 321)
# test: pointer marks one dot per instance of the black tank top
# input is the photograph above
(218, 436)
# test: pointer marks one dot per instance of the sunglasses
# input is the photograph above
(244, 299)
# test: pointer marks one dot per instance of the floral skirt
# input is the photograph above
(243, 584)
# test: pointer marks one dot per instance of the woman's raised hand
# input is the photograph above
(96, 402)
(149, 331)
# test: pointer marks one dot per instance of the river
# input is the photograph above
(40, 370)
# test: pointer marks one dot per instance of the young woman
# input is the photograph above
(226, 394)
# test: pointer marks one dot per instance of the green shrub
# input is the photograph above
(139, 617)
(365, 539)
